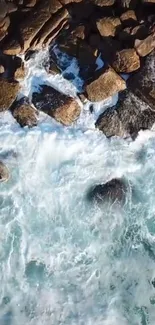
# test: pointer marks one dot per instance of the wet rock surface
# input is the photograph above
(24, 114)
(8, 93)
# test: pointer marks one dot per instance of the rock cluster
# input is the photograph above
(122, 32)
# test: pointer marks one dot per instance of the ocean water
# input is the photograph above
(64, 260)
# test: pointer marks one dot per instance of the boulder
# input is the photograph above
(8, 93)
(128, 18)
(127, 118)
(142, 84)
(79, 32)
(114, 191)
(126, 61)
(4, 172)
(110, 124)
(25, 114)
(63, 108)
(2, 69)
(149, 1)
(105, 85)
(146, 46)
(108, 26)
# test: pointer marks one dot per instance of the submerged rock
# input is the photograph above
(4, 172)
(63, 108)
(105, 85)
(115, 191)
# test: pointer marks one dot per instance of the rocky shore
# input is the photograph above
(120, 32)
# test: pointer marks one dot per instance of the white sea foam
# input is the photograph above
(62, 259)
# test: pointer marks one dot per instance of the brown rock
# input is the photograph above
(8, 93)
(108, 26)
(104, 3)
(64, 109)
(149, 1)
(5, 24)
(66, 2)
(12, 47)
(20, 72)
(55, 5)
(146, 46)
(128, 18)
(2, 69)
(126, 61)
(29, 28)
(79, 32)
(4, 172)
(31, 3)
(25, 115)
(106, 85)
(54, 24)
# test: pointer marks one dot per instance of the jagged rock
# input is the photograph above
(8, 93)
(126, 61)
(130, 115)
(105, 85)
(4, 172)
(29, 28)
(142, 83)
(55, 5)
(146, 46)
(104, 3)
(52, 28)
(64, 109)
(128, 18)
(114, 191)
(108, 26)
(25, 115)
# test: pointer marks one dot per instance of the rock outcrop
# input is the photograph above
(8, 93)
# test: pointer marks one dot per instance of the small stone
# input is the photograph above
(108, 26)
(105, 86)
(126, 61)
(4, 172)
(104, 3)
